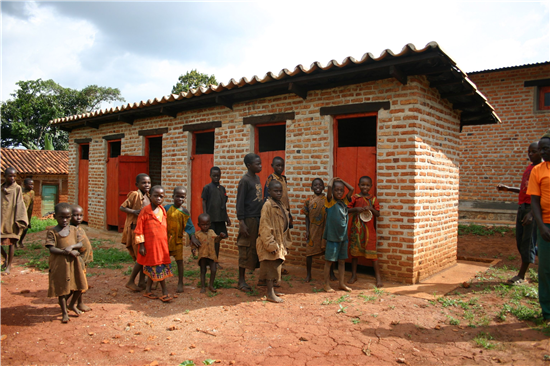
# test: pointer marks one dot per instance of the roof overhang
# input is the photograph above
(440, 70)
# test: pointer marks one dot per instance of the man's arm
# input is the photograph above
(503, 188)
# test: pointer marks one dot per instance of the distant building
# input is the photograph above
(498, 153)
(49, 170)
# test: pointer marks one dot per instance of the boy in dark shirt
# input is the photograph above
(214, 203)
(249, 209)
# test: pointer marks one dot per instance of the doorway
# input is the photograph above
(154, 153)
(202, 159)
(355, 152)
(270, 142)
(49, 198)
(83, 166)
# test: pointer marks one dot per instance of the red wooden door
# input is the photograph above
(83, 166)
(112, 192)
(202, 159)
(353, 162)
(267, 159)
(128, 168)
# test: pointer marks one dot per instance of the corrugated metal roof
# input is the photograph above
(524, 66)
(35, 161)
(430, 61)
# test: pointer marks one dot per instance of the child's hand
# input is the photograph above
(195, 242)
(306, 236)
(243, 229)
(228, 222)
(502, 188)
(142, 250)
(136, 212)
(194, 252)
(74, 253)
(223, 235)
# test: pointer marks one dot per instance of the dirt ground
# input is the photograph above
(365, 326)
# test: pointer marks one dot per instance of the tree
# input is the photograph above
(26, 118)
(192, 80)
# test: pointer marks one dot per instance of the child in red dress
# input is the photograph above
(152, 236)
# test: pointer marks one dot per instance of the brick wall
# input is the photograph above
(498, 153)
(417, 165)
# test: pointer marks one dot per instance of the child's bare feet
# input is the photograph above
(132, 286)
(65, 318)
(327, 288)
(75, 309)
(308, 278)
(344, 287)
(379, 283)
(180, 288)
(274, 298)
(212, 289)
(352, 280)
(84, 307)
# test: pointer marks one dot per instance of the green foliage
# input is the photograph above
(480, 230)
(342, 309)
(187, 363)
(110, 258)
(482, 340)
(26, 117)
(453, 321)
(193, 80)
(533, 275)
(48, 142)
(209, 361)
(39, 225)
(36, 255)
(355, 320)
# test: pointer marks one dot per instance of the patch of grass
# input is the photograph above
(316, 290)
(342, 298)
(355, 320)
(187, 363)
(481, 230)
(192, 273)
(327, 302)
(287, 279)
(40, 225)
(533, 275)
(129, 271)
(483, 340)
(453, 321)
(367, 298)
(446, 301)
(254, 292)
(36, 254)
(342, 309)
(212, 294)
(110, 258)
(379, 291)
(208, 361)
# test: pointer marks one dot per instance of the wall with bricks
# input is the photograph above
(417, 165)
(497, 154)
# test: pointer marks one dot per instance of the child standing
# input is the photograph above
(273, 239)
(362, 235)
(207, 250)
(152, 237)
(178, 223)
(86, 252)
(525, 227)
(315, 212)
(249, 209)
(336, 230)
(28, 198)
(14, 216)
(214, 203)
(67, 274)
(135, 201)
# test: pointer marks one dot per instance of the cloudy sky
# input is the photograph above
(143, 47)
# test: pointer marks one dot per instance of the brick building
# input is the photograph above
(396, 117)
(497, 154)
(49, 170)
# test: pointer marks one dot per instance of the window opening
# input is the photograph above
(272, 138)
(114, 149)
(155, 160)
(359, 131)
(544, 98)
(204, 143)
(84, 152)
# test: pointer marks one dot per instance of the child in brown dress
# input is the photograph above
(86, 251)
(67, 273)
(207, 250)
(28, 198)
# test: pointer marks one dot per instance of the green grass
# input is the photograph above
(40, 225)
(483, 340)
(480, 230)
(111, 258)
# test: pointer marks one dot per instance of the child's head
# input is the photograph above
(365, 184)
(143, 183)
(278, 165)
(338, 189)
(275, 190)
(28, 184)
(544, 147)
(63, 214)
(10, 174)
(533, 153)
(77, 215)
(215, 174)
(179, 196)
(157, 195)
(204, 222)
(317, 186)
(253, 163)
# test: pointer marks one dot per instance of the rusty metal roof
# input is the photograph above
(432, 61)
(35, 161)
(524, 66)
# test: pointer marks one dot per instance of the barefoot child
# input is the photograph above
(135, 201)
(525, 227)
(214, 203)
(152, 237)
(86, 252)
(314, 210)
(249, 209)
(28, 198)
(273, 239)
(67, 274)
(178, 223)
(336, 230)
(207, 251)
(362, 235)
(14, 216)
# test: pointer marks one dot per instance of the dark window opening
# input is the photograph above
(544, 98)
(204, 143)
(84, 152)
(272, 138)
(155, 160)
(115, 148)
(360, 131)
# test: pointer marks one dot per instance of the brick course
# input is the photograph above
(417, 167)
